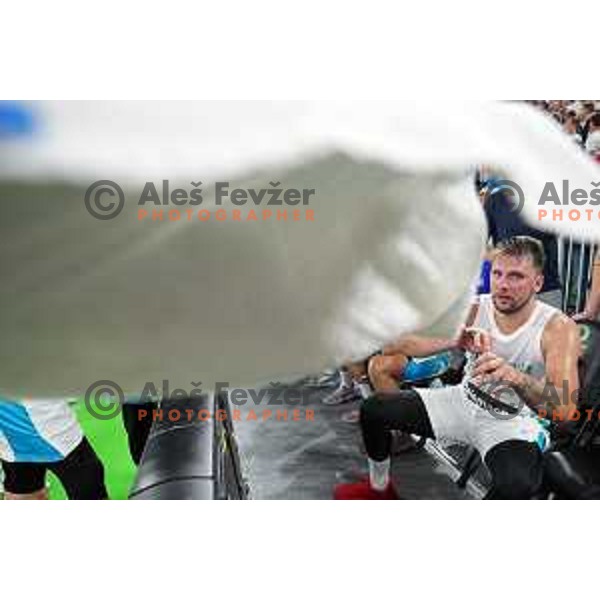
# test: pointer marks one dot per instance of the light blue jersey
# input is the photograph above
(37, 430)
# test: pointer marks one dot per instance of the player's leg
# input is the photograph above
(385, 371)
(81, 473)
(24, 481)
(512, 449)
(137, 420)
(516, 467)
(425, 412)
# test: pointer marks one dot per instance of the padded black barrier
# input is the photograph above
(190, 459)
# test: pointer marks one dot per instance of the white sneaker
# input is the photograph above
(344, 393)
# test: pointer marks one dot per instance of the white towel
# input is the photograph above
(395, 244)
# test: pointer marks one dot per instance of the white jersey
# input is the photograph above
(492, 413)
(522, 349)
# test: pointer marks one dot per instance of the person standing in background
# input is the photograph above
(592, 304)
(39, 435)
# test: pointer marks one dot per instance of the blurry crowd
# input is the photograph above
(580, 119)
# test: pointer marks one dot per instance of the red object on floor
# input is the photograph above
(363, 491)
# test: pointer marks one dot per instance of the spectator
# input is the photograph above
(592, 144)
(592, 304)
(37, 436)
(571, 128)
(586, 111)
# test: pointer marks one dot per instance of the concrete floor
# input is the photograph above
(305, 459)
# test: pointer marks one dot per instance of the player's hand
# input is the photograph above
(490, 367)
(584, 316)
(475, 340)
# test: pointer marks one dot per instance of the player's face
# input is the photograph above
(514, 282)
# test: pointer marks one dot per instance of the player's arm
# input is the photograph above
(418, 346)
(558, 389)
(561, 346)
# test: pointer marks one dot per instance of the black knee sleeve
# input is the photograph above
(383, 412)
(517, 470)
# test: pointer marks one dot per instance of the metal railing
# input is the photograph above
(575, 270)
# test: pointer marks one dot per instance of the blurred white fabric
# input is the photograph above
(395, 245)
